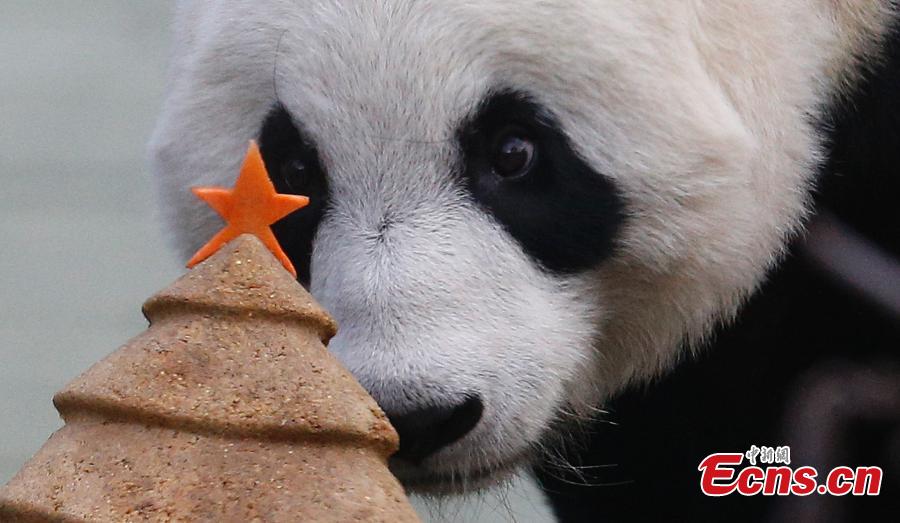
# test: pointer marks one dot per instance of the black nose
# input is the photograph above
(425, 431)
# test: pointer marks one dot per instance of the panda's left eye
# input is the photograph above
(513, 153)
(518, 165)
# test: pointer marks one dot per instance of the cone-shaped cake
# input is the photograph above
(229, 408)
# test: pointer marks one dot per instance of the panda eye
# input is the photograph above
(295, 175)
(513, 154)
(293, 165)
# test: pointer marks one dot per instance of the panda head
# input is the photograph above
(519, 208)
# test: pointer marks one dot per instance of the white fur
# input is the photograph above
(698, 110)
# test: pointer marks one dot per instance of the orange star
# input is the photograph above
(251, 207)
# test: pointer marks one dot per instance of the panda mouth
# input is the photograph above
(421, 480)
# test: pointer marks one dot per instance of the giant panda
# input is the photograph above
(560, 235)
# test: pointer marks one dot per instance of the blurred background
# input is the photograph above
(81, 82)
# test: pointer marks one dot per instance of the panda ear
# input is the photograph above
(859, 28)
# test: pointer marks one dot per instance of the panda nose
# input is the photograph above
(427, 430)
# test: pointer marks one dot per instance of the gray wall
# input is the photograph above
(80, 248)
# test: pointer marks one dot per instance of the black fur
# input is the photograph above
(563, 213)
(738, 393)
(281, 142)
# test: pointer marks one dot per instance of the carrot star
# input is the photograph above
(251, 207)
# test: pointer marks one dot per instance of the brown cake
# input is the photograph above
(228, 408)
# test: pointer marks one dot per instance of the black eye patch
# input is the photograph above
(564, 214)
(294, 168)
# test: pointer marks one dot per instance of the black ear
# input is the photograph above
(294, 167)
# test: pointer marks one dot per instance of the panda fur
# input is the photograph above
(681, 145)
(805, 345)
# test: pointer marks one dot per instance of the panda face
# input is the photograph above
(440, 261)
(518, 208)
